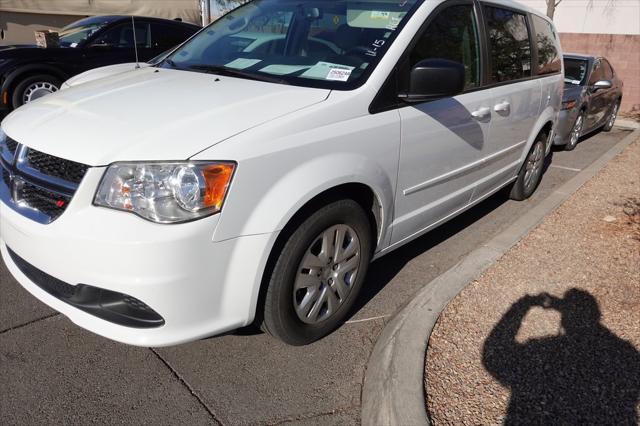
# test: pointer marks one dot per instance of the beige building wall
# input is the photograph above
(20, 18)
(19, 28)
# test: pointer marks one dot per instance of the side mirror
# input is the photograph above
(434, 79)
(602, 84)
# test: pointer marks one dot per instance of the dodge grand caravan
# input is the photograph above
(241, 182)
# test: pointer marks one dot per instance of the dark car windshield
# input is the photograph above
(575, 71)
(329, 44)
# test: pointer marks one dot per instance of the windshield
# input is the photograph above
(328, 44)
(575, 71)
(73, 36)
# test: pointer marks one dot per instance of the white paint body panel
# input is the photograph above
(424, 164)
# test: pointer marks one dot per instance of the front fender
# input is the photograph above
(271, 210)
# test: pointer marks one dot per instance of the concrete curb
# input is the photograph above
(626, 123)
(393, 391)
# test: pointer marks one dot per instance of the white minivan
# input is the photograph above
(254, 173)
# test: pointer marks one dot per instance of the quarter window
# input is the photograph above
(509, 45)
(452, 35)
(548, 57)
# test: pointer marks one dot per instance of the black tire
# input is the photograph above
(611, 118)
(18, 97)
(523, 189)
(571, 146)
(279, 315)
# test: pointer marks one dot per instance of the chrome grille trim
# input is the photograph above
(22, 182)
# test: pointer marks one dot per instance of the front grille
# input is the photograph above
(50, 203)
(67, 170)
(37, 185)
(12, 145)
(5, 177)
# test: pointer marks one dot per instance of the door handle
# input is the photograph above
(503, 107)
(481, 113)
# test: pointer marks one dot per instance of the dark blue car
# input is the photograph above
(592, 96)
(28, 72)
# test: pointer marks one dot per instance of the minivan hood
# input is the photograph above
(151, 114)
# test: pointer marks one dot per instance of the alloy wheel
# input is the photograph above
(576, 131)
(326, 274)
(37, 90)
(534, 166)
(614, 115)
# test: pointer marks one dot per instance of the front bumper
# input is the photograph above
(566, 120)
(199, 287)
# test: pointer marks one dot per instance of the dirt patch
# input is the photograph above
(551, 333)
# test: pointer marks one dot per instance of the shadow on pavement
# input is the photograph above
(586, 375)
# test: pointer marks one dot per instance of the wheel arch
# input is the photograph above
(545, 123)
(363, 194)
(20, 73)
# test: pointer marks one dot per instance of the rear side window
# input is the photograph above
(509, 44)
(452, 35)
(548, 56)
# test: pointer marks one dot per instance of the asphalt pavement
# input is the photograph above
(51, 371)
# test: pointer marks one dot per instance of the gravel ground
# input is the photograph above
(551, 333)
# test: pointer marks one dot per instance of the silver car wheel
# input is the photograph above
(614, 115)
(576, 131)
(327, 273)
(534, 166)
(37, 90)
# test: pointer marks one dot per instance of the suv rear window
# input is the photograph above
(548, 57)
(509, 44)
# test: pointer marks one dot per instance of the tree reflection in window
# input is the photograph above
(510, 48)
(452, 35)
(548, 57)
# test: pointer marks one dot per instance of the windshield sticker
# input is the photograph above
(375, 14)
(329, 71)
(338, 74)
(242, 63)
(73, 45)
(284, 69)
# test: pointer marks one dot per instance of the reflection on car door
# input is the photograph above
(598, 104)
(444, 141)
(515, 99)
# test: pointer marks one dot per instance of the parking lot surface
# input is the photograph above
(53, 371)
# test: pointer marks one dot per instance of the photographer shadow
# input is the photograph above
(586, 375)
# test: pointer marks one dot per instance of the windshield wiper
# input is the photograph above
(232, 72)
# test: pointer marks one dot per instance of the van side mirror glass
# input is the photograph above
(434, 79)
(602, 84)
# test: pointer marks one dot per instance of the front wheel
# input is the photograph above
(318, 274)
(34, 87)
(531, 172)
(613, 115)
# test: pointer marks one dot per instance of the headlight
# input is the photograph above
(166, 192)
(569, 104)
